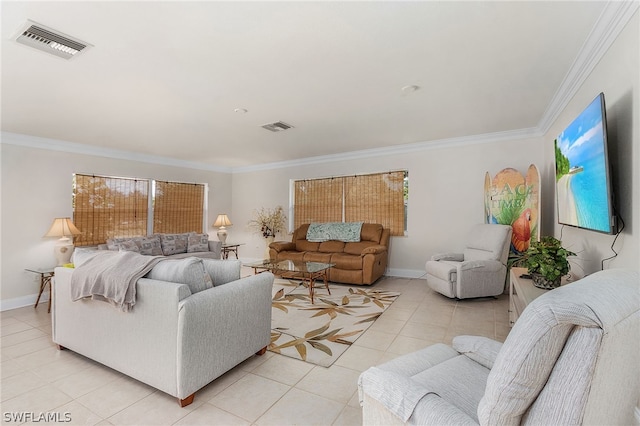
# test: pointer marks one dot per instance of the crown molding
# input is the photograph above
(397, 149)
(77, 148)
(612, 20)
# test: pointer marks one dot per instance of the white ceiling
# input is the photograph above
(164, 78)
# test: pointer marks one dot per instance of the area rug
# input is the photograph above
(319, 333)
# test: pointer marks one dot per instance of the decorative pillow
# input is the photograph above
(348, 232)
(220, 271)
(82, 254)
(150, 245)
(174, 243)
(197, 242)
(112, 243)
(128, 245)
(189, 271)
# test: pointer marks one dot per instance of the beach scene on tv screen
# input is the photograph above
(581, 174)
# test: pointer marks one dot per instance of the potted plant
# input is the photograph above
(546, 261)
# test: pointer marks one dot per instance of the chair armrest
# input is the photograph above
(480, 349)
(486, 265)
(456, 257)
(282, 246)
(433, 410)
(223, 271)
(401, 400)
(374, 250)
(215, 247)
(399, 394)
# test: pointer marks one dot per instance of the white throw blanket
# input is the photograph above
(111, 277)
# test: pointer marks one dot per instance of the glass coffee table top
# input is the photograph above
(291, 266)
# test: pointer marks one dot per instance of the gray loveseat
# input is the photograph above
(172, 339)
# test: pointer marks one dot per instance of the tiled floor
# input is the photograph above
(264, 390)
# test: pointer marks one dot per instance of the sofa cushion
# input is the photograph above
(112, 243)
(347, 261)
(371, 232)
(128, 245)
(331, 247)
(197, 242)
(189, 271)
(220, 271)
(356, 248)
(304, 245)
(82, 254)
(174, 243)
(149, 246)
(313, 256)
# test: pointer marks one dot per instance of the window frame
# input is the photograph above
(151, 195)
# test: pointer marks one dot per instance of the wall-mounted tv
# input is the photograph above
(583, 185)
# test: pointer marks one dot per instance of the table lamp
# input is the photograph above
(221, 222)
(63, 227)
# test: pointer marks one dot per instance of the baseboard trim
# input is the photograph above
(405, 273)
(21, 302)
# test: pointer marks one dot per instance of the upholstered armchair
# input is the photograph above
(573, 357)
(479, 271)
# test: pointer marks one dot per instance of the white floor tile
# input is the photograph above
(298, 407)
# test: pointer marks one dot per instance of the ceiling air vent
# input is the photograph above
(51, 41)
(278, 126)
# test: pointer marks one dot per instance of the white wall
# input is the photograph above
(445, 200)
(446, 187)
(36, 187)
(618, 76)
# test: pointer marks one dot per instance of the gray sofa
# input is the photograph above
(573, 357)
(175, 246)
(172, 339)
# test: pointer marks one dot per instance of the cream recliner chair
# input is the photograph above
(479, 271)
(573, 357)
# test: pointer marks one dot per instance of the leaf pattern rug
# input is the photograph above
(319, 333)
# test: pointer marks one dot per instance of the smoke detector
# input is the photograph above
(49, 40)
(278, 126)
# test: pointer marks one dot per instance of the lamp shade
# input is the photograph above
(62, 227)
(222, 220)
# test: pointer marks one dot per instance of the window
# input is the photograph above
(374, 198)
(109, 207)
(177, 207)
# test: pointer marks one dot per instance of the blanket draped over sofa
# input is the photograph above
(111, 276)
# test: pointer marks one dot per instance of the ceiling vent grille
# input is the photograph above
(51, 41)
(278, 126)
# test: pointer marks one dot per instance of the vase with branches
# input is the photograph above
(269, 222)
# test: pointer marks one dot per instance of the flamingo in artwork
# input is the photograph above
(521, 232)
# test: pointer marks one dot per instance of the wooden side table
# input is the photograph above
(45, 280)
(230, 248)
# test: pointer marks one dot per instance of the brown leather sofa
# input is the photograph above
(360, 262)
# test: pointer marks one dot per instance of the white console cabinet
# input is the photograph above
(521, 293)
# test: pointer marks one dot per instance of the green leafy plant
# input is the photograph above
(546, 257)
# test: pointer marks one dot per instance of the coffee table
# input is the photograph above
(308, 272)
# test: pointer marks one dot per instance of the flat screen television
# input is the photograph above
(583, 185)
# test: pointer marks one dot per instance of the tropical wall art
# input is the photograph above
(513, 199)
